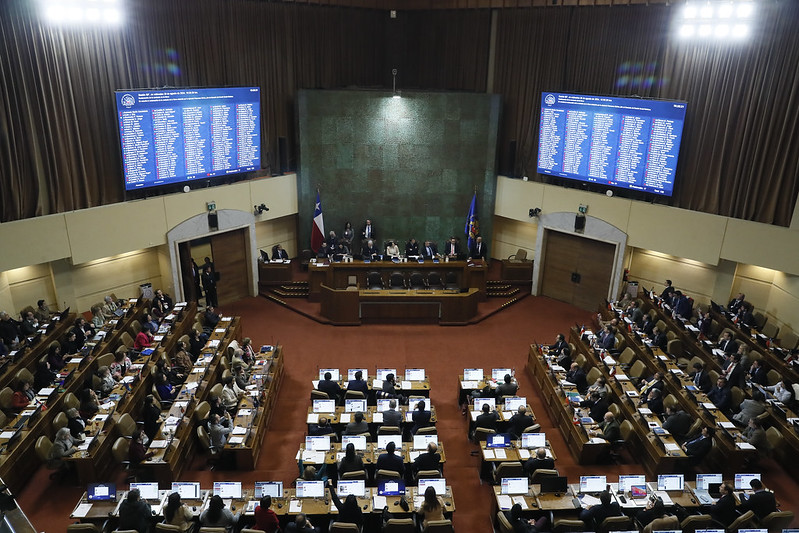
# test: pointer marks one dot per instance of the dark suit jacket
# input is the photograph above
(209, 283)
(597, 409)
(392, 418)
(758, 375)
(558, 347)
(723, 510)
(487, 420)
(433, 249)
(611, 431)
(761, 503)
(578, 377)
(452, 249)
(369, 253)
(427, 461)
(332, 388)
(507, 389)
(597, 513)
(648, 326)
(474, 253)
(608, 342)
(358, 385)
(372, 235)
(280, 254)
(721, 397)
(703, 382)
(533, 463)
(518, 423)
(736, 377)
(411, 249)
(685, 307)
(678, 424)
(390, 462)
(729, 346)
(699, 447)
(421, 419)
(661, 341)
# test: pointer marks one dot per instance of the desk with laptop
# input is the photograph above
(412, 381)
(501, 447)
(474, 379)
(340, 416)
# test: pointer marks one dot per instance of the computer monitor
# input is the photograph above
(554, 484)
(716, 531)
(356, 487)
(670, 482)
(753, 531)
(703, 481)
(414, 400)
(480, 402)
(638, 492)
(742, 481)
(228, 489)
(592, 483)
(318, 443)
(515, 485)
(390, 487)
(473, 374)
(383, 440)
(148, 491)
(498, 440)
(310, 489)
(383, 372)
(414, 374)
(268, 488)
(669, 531)
(354, 405)
(358, 441)
(420, 442)
(383, 405)
(625, 482)
(438, 483)
(324, 406)
(351, 373)
(534, 440)
(101, 492)
(498, 374)
(334, 373)
(514, 402)
(188, 490)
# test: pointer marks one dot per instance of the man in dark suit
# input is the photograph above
(609, 429)
(429, 250)
(736, 303)
(685, 306)
(392, 417)
(390, 461)
(758, 373)
(699, 447)
(358, 384)
(608, 340)
(559, 346)
(647, 325)
(487, 419)
(720, 395)
(421, 418)
(596, 514)
(597, 406)
(519, 422)
(411, 247)
(390, 388)
(278, 253)
(677, 422)
(537, 461)
(745, 316)
(429, 460)
(727, 344)
(478, 250)
(701, 378)
(209, 286)
(659, 339)
(762, 502)
(666, 294)
(735, 371)
(507, 388)
(332, 388)
(357, 426)
(452, 249)
(577, 376)
(368, 231)
(322, 428)
(369, 251)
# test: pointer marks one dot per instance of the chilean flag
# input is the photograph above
(318, 227)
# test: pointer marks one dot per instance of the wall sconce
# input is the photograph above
(259, 209)
(534, 212)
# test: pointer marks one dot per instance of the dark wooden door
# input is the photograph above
(187, 274)
(229, 250)
(577, 270)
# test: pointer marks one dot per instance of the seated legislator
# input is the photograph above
(699, 447)
(727, 344)
(332, 240)
(659, 339)
(369, 252)
(390, 461)
(166, 301)
(736, 303)
(701, 378)
(29, 324)
(411, 248)
(144, 338)
(392, 417)
(218, 430)
(351, 462)
(647, 325)
(600, 386)
(520, 524)
(720, 395)
(577, 376)
(89, 404)
(390, 388)
(487, 419)
(758, 374)
(537, 461)
(559, 346)
(519, 422)
(392, 250)
(594, 515)
(98, 320)
(300, 523)
(429, 460)
(781, 391)
(324, 251)
(653, 399)
(63, 446)
(756, 436)
(421, 418)
(723, 511)
(44, 377)
(109, 308)
(349, 511)
(597, 406)
(609, 429)
(734, 371)
(177, 513)
(231, 394)
(327, 385)
(357, 426)
(358, 384)
(55, 357)
(432, 507)
(278, 253)
(453, 248)
(265, 518)
(322, 428)
(429, 250)
(762, 502)
(751, 408)
(677, 422)
(137, 451)
(70, 345)
(478, 249)
(42, 312)
(508, 387)
(76, 425)
(218, 515)
(22, 396)
(120, 365)
(134, 513)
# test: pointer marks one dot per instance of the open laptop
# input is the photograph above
(390, 487)
(670, 482)
(498, 440)
(351, 373)
(480, 402)
(438, 483)
(381, 373)
(414, 374)
(101, 492)
(383, 440)
(514, 485)
(713, 531)
(742, 481)
(317, 443)
(554, 485)
(513, 403)
(534, 440)
(356, 487)
(707, 487)
(310, 489)
(627, 481)
(188, 490)
(334, 373)
(354, 405)
(228, 490)
(498, 374)
(592, 484)
(638, 492)
(358, 441)
(324, 406)
(472, 374)
(420, 442)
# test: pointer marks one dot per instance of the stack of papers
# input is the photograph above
(505, 503)
(469, 384)
(82, 510)
(236, 440)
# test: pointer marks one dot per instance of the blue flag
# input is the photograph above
(472, 229)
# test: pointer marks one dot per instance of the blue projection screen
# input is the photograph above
(170, 136)
(623, 142)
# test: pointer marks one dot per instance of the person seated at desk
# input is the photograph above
(9, 330)
(217, 407)
(565, 358)
(782, 392)
(89, 404)
(98, 320)
(173, 375)
(755, 435)
(330, 387)
(521, 524)
(538, 461)
(107, 381)
(369, 252)
(699, 447)
(158, 312)
(720, 395)
(340, 250)
(278, 253)
(166, 391)
(120, 365)
(453, 248)
(392, 250)
(751, 408)
(358, 384)
(351, 462)
(231, 394)
(43, 377)
(389, 389)
(659, 339)
(654, 517)
(134, 513)
(196, 343)
(29, 324)
(758, 374)
(148, 319)
(609, 428)
(559, 346)
(217, 515)
(76, 425)
(684, 307)
(635, 313)
(508, 387)
(322, 428)
(392, 417)
(487, 419)
(421, 418)
(332, 240)
(723, 511)
(647, 325)
(597, 406)
(349, 511)
(744, 316)
(63, 446)
(69, 345)
(594, 515)
(478, 249)
(265, 518)
(726, 343)
(240, 377)
(42, 313)
(357, 426)
(600, 386)
(182, 360)
(390, 461)
(55, 358)
(577, 376)
(151, 416)
(301, 523)
(762, 502)
(144, 338)
(432, 507)
(324, 251)
(677, 422)
(429, 250)
(109, 308)
(653, 400)
(701, 378)
(218, 431)
(519, 422)
(137, 451)
(428, 460)
(736, 303)
(210, 318)
(177, 513)
(411, 248)
(22, 397)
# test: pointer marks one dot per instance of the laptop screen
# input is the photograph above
(383, 440)
(703, 481)
(513, 403)
(383, 405)
(534, 440)
(420, 442)
(498, 440)
(414, 400)
(188, 490)
(514, 485)
(391, 487)
(310, 489)
(439, 484)
(473, 374)
(268, 488)
(753, 531)
(228, 489)
(354, 405)
(334, 373)
(554, 484)
(351, 373)
(718, 530)
(670, 482)
(101, 492)
(625, 482)
(358, 441)
(498, 374)
(592, 483)
(742, 481)
(317, 443)
(356, 487)
(414, 374)
(480, 402)
(324, 406)
(637, 492)
(148, 491)
(383, 372)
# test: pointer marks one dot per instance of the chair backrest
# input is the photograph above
(438, 526)
(354, 394)
(674, 347)
(777, 521)
(696, 521)
(504, 523)
(737, 396)
(126, 425)
(626, 429)
(434, 280)
(60, 421)
(593, 374)
(670, 401)
(205, 439)
(388, 430)
(770, 330)
(615, 523)
(663, 524)
(396, 280)
(480, 434)
(24, 376)
(452, 279)
(509, 469)
(627, 355)
(136, 327)
(120, 450)
(343, 527)
(212, 530)
(201, 411)
(386, 474)
(374, 280)
(70, 400)
(581, 360)
(319, 395)
(742, 521)
(637, 370)
(355, 474)
(43, 446)
(789, 339)
(429, 474)
(105, 360)
(399, 525)
(760, 319)
(775, 438)
(126, 339)
(162, 528)
(417, 280)
(429, 430)
(520, 255)
(216, 390)
(773, 377)
(86, 528)
(543, 472)
(568, 524)
(5, 398)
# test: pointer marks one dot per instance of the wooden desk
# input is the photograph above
(270, 274)
(521, 271)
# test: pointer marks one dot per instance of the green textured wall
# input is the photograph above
(411, 164)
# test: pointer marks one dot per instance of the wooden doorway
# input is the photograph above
(576, 269)
(230, 253)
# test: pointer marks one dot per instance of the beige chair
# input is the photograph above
(626, 357)
(343, 527)
(105, 360)
(70, 401)
(776, 442)
(593, 375)
(165, 528)
(519, 257)
(201, 411)
(5, 399)
(770, 330)
(354, 395)
(614, 408)
(319, 395)
(696, 521)
(247, 530)
(773, 377)
(663, 524)
(429, 430)
(126, 425)
(386, 474)
(24, 376)
(388, 430)
(428, 474)
(60, 421)
(777, 521)
(504, 524)
(399, 525)
(136, 327)
(481, 434)
(615, 523)
(636, 371)
(126, 339)
(355, 474)
(83, 528)
(438, 526)
(212, 530)
(562, 525)
(216, 390)
(789, 339)
(508, 469)
(542, 473)
(742, 522)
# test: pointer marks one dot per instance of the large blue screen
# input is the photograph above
(622, 142)
(169, 136)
